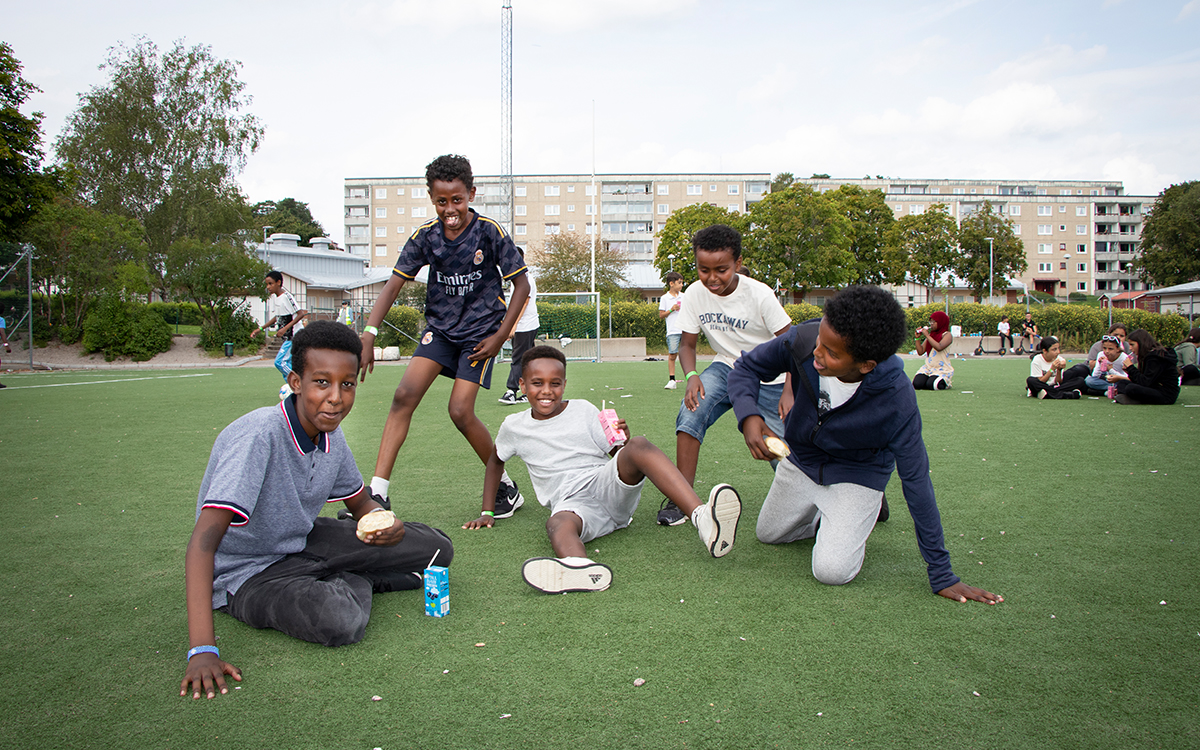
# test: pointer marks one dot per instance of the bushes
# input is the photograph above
(803, 311)
(233, 326)
(408, 320)
(184, 313)
(120, 328)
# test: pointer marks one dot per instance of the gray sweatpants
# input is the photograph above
(323, 594)
(847, 513)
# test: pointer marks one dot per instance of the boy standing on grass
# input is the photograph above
(259, 551)
(466, 319)
(853, 422)
(563, 444)
(288, 315)
(523, 337)
(736, 313)
(668, 308)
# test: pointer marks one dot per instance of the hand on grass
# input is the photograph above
(483, 522)
(487, 348)
(961, 592)
(206, 674)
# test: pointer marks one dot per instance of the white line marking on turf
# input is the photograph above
(117, 380)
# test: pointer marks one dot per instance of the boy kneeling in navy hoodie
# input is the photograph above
(855, 419)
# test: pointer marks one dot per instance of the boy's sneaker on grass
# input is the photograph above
(521, 399)
(717, 519)
(670, 514)
(884, 513)
(552, 575)
(671, 385)
(509, 397)
(508, 499)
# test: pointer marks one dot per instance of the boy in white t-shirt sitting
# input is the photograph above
(565, 447)
(736, 313)
(668, 308)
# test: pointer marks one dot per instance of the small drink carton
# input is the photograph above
(437, 591)
(608, 420)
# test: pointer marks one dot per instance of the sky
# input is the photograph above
(966, 89)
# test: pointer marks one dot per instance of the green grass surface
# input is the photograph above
(1082, 514)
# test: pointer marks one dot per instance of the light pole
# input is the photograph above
(266, 246)
(991, 268)
(671, 257)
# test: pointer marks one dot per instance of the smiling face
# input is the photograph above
(717, 270)
(832, 359)
(325, 392)
(451, 201)
(543, 380)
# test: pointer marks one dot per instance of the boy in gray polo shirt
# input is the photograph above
(260, 552)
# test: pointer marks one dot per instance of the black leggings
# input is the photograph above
(923, 382)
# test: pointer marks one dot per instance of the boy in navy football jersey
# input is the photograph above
(466, 319)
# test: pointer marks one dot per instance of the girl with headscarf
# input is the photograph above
(932, 341)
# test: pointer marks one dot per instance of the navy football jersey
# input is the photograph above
(464, 297)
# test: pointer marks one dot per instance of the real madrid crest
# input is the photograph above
(427, 338)
(478, 257)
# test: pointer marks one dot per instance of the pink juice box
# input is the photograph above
(608, 420)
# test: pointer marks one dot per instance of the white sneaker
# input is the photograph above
(552, 575)
(717, 520)
(671, 385)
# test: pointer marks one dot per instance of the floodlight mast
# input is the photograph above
(506, 168)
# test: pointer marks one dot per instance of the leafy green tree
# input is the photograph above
(81, 255)
(162, 141)
(971, 265)
(870, 220)
(24, 187)
(923, 246)
(288, 215)
(210, 273)
(782, 182)
(1171, 237)
(564, 265)
(675, 238)
(799, 240)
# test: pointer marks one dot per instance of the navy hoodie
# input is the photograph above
(861, 442)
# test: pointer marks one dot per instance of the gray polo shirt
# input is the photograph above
(275, 479)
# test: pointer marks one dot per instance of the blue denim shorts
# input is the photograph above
(716, 402)
(673, 340)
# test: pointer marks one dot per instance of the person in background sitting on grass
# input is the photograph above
(854, 420)
(1111, 360)
(1155, 377)
(1185, 355)
(466, 318)
(1046, 373)
(668, 308)
(1029, 329)
(932, 341)
(260, 552)
(4, 336)
(523, 338)
(1005, 331)
(591, 485)
(736, 314)
(287, 315)
(1082, 370)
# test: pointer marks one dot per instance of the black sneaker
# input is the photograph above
(509, 397)
(670, 514)
(508, 499)
(883, 511)
(521, 399)
(385, 501)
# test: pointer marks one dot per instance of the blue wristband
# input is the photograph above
(203, 650)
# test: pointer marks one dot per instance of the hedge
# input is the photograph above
(120, 328)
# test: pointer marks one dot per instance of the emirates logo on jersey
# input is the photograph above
(427, 338)
(478, 257)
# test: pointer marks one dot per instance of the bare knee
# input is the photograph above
(462, 414)
(406, 398)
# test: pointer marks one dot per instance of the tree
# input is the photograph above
(870, 219)
(210, 273)
(782, 182)
(972, 262)
(162, 141)
(24, 187)
(799, 240)
(83, 254)
(564, 265)
(1171, 237)
(675, 238)
(923, 246)
(288, 215)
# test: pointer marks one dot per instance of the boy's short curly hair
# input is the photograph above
(448, 168)
(323, 334)
(718, 237)
(541, 352)
(870, 319)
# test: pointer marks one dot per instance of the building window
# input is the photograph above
(356, 192)
(1062, 266)
(1062, 227)
(664, 188)
(1045, 229)
(552, 210)
(1081, 286)
(419, 213)
(553, 229)
(664, 209)
(1081, 248)
(381, 231)
(520, 229)
(419, 192)
(570, 188)
(1016, 228)
(1044, 210)
(357, 212)
(571, 208)
(381, 251)
(380, 193)
(1044, 267)
(960, 191)
(734, 208)
(1081, 229)
(399, 231)
(520, 210)
(519, 191)
(712, 188)
(1063, 209)
(1081, 210)
(733, 190)
(589, 209)
(551, 191)
(1081, 267)
(589, 189)
(916, 208)
(399, 192)
(1014, 210)
(380, 212)
(570, 227)
(695, 190)
(399, 210)
(357, 232)
(590, 229)
(1045, 248)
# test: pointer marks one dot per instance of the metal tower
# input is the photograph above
(506, 166)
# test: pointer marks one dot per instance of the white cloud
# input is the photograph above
(1188, 10)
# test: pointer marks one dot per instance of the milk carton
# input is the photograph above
(437, 591)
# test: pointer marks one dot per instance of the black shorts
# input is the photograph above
(453, 359)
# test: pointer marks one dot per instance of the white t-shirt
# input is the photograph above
(666, 303)
(1038, 366)
(747, 317)
(1104, 366)
(285, 304)
(1002, 327)
(562, 453)
(529, 320)
(834, 393)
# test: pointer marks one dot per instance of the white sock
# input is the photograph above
(576, 561)
(504, 478)
(379, 486)
(702, 520)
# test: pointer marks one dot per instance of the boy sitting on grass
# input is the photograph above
(259, 551)
(854, 420)
(564, 446)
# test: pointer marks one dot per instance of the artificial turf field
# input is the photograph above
(1082, 514)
